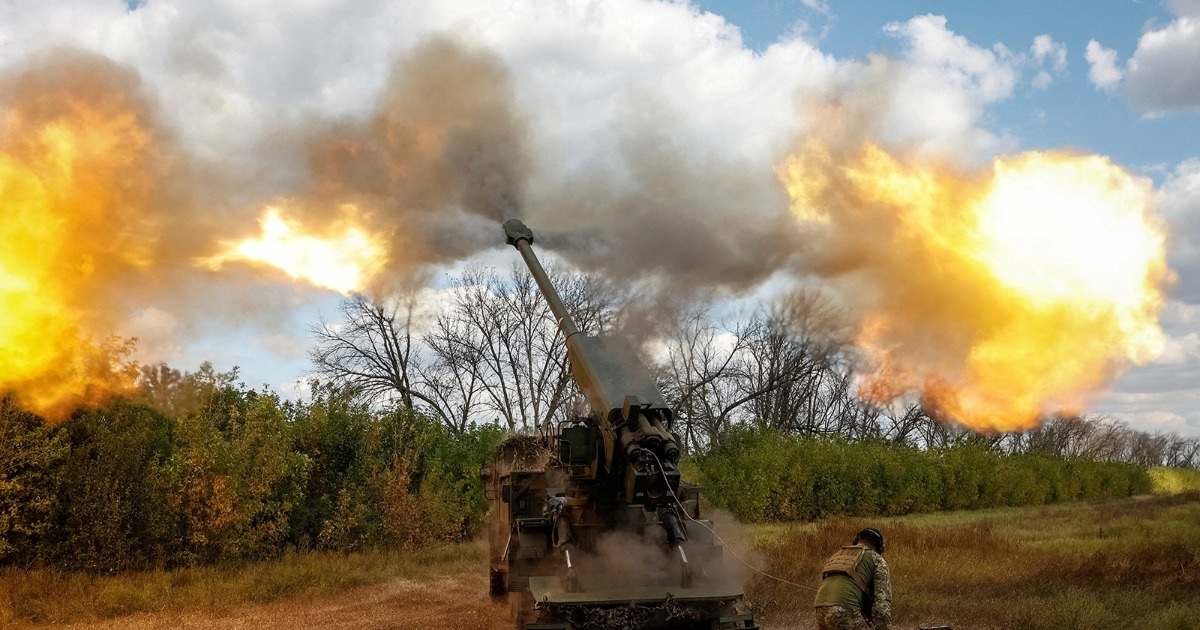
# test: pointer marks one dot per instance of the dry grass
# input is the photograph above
(53, 597)
(1125, 564)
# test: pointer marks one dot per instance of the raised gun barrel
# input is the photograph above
(520, 236)
(640, 453)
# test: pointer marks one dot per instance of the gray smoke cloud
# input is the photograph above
(439, 164)
(687, 219)
(116, 212)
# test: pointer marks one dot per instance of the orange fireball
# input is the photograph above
(344, 257)
(999, 295)
(73, 199)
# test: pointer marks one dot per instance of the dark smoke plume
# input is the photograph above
(440, 163)
(115, 213)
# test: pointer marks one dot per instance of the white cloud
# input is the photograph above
(226, 70)
(1103, 71)
(1180, 194)
(1163, 74)
(1045, 49)
(1185, 8)
(286, 344)
(157, 332)
(1185, 349)
(1167, 407)
(295, 389)
(945, 83)
(1178, 201)
(227, 67)
(1181, 314)
(1163, 422)
(1050, 57)
(819, 6)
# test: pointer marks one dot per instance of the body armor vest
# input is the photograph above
(843, 561)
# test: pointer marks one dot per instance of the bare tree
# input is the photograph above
(372, 351)
(450, 373)
(787, 368)
(698, 373)
(1183, 452)
(795, 363)
(494, 351)
(499, 336)
(905, 425)
(1147, 449)
(1103, 438)
(498, 343)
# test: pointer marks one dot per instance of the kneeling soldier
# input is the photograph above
(856, 587)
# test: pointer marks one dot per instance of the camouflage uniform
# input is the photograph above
(838, 618)
(839, 601)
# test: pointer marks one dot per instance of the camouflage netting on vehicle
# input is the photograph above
(668, 614)
(525, 452)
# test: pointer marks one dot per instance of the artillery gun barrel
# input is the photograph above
(520, 236)
(616, 470)
(629, 409)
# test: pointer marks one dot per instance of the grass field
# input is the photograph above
(54, 597)
(1125, 564)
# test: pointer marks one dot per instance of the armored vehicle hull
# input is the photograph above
(591, 526)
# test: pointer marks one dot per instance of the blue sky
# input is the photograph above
(615, 89)
(1069, 113)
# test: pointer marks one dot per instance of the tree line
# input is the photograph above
(408, 404)
(763, 475)
(199, 469)
(493, 352)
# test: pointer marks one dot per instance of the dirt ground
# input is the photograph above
(449, 603)
(452, 603)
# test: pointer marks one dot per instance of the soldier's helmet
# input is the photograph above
(873, 535)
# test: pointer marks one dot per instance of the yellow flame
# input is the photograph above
(344, 258)
(998, 296)
(71, 211)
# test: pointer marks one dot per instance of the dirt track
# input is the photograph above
(451, 603)
(447, 603)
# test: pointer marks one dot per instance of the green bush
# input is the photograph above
(201, 470)
(31, 456)
(112, 511)
(760, 475)
(234, 479)
(1174, 480)
(231, 475)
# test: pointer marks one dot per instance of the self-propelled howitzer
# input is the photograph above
(634, 421)
(591, 526)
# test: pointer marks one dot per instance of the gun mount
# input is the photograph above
(591, 525)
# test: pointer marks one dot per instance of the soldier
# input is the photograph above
(856, 587)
